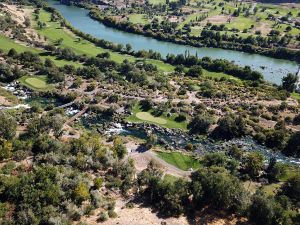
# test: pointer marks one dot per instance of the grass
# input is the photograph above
(220, 75)
(295, 95)
(181, 161)
(169, 122)
(138, 18)
(37, 83)
(6, 44)
(53, 31)
(148, 117)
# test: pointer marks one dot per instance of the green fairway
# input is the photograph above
(6, 44)
(169, 122)
(181, 161)
(148, 117)
(53, 32)
(38, 83)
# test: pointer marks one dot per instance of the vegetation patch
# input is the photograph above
(181, 161)
(169, 122)
(38, 83)
(148, 117)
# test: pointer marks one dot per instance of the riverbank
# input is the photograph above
(272, 69)
(275, 52)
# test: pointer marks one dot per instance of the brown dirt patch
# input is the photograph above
(4, 101)
(218, 19)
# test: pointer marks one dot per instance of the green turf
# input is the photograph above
(37, 83)
(148, 117)
(169, 122)
(181, 161)
(53, 32)
(6, 44)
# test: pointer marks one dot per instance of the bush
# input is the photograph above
(103, 217)
(112, 214)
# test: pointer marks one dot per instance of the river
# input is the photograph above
(274, 69)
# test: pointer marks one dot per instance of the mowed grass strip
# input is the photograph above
(181, 161)
(148, 117)
(37, 83)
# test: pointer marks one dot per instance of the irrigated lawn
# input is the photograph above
(6, 44)
(138, 117)
(38, 83)
(148, 117)
(53, 32)
(183, 162)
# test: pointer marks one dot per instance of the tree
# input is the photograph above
(292, 188)
(128, 47)
(276, 139)
(119, 148)
(5, 149)
(220, 189)
(200, 124)
(254, 163)
(8, 126)
(12, 53)
(261, 210)
(229, 127)
(289, 82)
(293, 145)
(194, 71)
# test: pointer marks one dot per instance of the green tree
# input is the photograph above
(293, 145)
(289, 82)
(8, 126)
(194, 71)
(5, 149)
(200, 124)
(254, 164)
(229, 127)
(119, 148)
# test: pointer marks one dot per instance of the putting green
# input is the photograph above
(148, 117)
(36, 83)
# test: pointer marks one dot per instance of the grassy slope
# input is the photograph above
(183, 162)
(53, 32)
